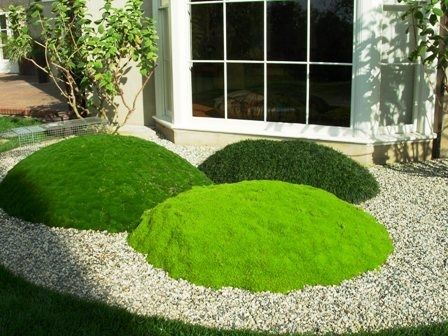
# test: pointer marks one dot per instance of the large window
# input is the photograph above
(277, 61)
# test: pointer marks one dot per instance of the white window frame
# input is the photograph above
(8, 33)
(366, 76)
(163, 73)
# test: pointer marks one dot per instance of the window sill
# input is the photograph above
(294, 131)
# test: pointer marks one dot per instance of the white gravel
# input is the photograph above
(410, 289)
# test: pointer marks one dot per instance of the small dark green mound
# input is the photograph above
(261, 236)
(294, 161)
(100, 182)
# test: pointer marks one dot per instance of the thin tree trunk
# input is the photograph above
(440, 147)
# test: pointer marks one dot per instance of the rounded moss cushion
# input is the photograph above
(261, 236)
(101, 182)
(293, 161)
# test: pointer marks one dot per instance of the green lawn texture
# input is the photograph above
(100, 182)
(261, 236)
(294, 161)
(29, 310)
(7, 123)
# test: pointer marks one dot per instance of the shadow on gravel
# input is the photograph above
(37, 253)
(436, 168)
(30, 310)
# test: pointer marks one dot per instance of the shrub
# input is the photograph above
(100, 182)
(261, 236)
(294, 161)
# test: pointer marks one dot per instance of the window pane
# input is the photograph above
(287, 93)
(245, 99)
(3, 41)
(207, 32)
(330, 95)
(208, 90)
(245, 31)
(287, 30)
(2, 21)
(332, 31)
(397, 95)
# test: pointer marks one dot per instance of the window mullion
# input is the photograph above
(308, 60)
(225, 58)
(265, 58)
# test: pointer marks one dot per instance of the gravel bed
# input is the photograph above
(410, 289)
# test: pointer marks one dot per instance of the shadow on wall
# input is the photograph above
(402, 152)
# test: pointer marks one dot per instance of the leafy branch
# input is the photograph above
(88, 61)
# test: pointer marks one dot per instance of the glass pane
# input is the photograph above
(245, 31)
(207, 32)
(2, 21)
(397, 95)
(287, 93)
(245, 99)
(330, 95)
(332, 31)
(208, 90)
(287, 30)
(3, 41)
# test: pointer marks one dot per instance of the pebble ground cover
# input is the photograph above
(261, 236)
(409, 290)
(29, 310)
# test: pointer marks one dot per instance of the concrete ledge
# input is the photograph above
(366, 154)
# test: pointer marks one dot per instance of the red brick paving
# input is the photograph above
(23, 95)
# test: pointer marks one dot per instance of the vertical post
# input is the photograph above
(440, 147)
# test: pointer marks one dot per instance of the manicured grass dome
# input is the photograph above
(101, 182)
(293, 161)
(261, 236)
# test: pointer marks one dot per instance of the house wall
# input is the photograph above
(145, 104)
(444, 124)
(380, 96)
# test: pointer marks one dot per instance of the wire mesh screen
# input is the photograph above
(33, 135)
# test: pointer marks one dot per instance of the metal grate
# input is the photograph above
(32, 135)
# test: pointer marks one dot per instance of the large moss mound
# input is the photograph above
(101, 182)
(295, 162)
(261, 236)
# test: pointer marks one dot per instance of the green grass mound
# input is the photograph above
(261, 236)
(294, 161)
(100, 182)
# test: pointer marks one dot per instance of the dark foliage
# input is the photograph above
(295, 162)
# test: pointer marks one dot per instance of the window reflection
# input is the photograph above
(330, 39)
(245, 31)
(331, 31)
(208, 90)
(287, 30)
(245, 98)
(207, 32)
(330, 95)
(287, 93)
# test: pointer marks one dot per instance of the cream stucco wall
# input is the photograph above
(145, 104)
